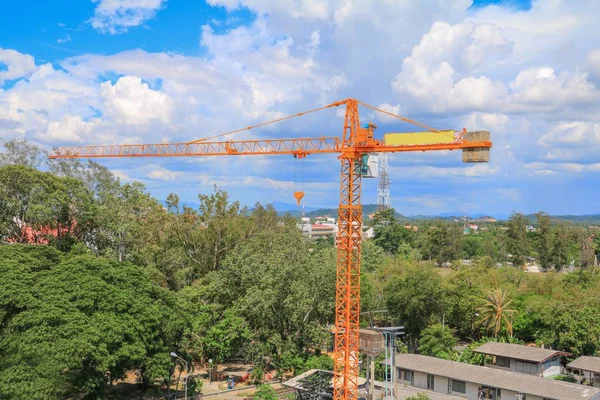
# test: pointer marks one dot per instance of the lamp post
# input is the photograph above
(173, 354)
(210, 367)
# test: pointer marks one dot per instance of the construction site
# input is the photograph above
(356, 143)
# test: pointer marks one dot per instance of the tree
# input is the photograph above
(70, 319)
(414, 298)
(265, 392)
(560, 253)
(544, 240)
(516, 239)
(437, 341)
(443, 243)
(38, 206)
(495, 314)
(389, 235)
(21, 152)
(284, 292)
(587, 253)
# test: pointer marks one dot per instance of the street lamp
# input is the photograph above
(173, 354)
(210, 366)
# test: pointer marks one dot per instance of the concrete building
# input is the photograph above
(321, 231)
(522, 359)
(588, 368)
(475, 382)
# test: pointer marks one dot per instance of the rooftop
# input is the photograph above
(518, 351)
(528, 384)
(586, 363)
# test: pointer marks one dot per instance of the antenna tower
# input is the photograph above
(384, 200)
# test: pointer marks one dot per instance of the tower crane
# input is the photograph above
(354, 142)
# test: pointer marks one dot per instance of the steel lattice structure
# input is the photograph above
(384, 199)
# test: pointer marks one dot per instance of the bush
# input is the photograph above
(419, 396)
(265, 392)
(565, 378)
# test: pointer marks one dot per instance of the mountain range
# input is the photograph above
(295, 211)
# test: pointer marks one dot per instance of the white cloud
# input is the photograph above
(425, 172)
(540, 168)
(116, 16)
(131, 101)
(162, 174)
(66, 39)
(511, 194)
(593, 66)
(572, 134)
(543, 89)
(430, 74)
(70, 129)
(493, 122)
(18, 65)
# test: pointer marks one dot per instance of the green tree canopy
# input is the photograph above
(67, 321)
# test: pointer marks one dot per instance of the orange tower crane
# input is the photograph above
(351, 146)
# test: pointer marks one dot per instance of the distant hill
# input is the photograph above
(333, 212)
(312, 212)
(589, 219)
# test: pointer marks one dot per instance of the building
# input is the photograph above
(588, 367)
(476, 382)
(368, 233)
(321, 231)
(522, 359)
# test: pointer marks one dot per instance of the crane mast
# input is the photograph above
(354, 142)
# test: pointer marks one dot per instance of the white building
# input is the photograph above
(475, 382)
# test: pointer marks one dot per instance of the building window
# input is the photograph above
(406, 375)
(521, 396)
(430, 382)
(503, 362)
(526, 367)
(553, 362)
(459, 386)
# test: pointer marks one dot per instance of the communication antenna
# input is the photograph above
(384, 200)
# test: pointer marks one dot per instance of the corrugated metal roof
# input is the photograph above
(518, 351)
(522, 383)
(586, 363)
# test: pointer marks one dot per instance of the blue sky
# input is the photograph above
(139, 71)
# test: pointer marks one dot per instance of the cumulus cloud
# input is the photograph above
(18, 65)
(131, 101)
(70, 129)
(572, 134)
(540, 168)
(593, 66)
(534, 86)
(116, 16)
(431, 73)
(162, 174)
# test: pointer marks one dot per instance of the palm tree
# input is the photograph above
(495, 312)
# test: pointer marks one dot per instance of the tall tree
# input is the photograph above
(495, 314)
(544, 240)
(437, 341)
(21, 152)
(413, 298)
(443, 243)
(517, 243)
(66, 321)
(587, 253)
(560, 248)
